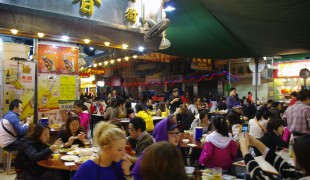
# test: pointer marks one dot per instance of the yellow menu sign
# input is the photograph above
(68, 87)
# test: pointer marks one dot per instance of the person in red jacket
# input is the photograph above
(96, 106)
(220, 149)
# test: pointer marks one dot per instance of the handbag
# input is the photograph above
(260, 126)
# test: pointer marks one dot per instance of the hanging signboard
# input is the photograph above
(201, 64)
(290, 69)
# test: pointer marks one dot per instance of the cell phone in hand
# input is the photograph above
(244, 128)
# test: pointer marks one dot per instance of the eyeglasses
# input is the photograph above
(131, 130)
(174, 134)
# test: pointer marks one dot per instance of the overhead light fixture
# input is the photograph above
(14, 31)
(141, 48)
(100, 64)
(86, 41)
(95, 65)
(107, 43)
(91, 48)
(169, 8)
(124, 46)
(126, 58)
(135, 56)
(112, 61)
(64, 38)
(41, 35)
(119, 59)
(106, 62)
(82, 68)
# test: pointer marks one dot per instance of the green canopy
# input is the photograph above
(235, 29)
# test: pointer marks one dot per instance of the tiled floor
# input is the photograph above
(3, 175)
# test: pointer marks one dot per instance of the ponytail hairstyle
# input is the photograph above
(221, 126)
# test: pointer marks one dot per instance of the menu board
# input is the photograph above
(68, 61)
(67, 87)
(48, 58)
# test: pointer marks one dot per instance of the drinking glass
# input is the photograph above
(217, 173)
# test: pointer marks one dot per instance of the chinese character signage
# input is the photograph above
(67, 87)
(201, 64)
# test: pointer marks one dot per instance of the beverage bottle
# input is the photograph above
(49, 64)
(7, 77)
(197, 175)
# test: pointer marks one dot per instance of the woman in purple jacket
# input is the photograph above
(220, 149)
(165, 130)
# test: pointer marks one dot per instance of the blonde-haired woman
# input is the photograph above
(111, 163)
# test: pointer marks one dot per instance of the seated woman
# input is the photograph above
(163, 160)
(257, 125)
(119, 110)
(220, 149)
(146, 116)
(272, 139)
(111, 163)
(301, 159)
(73, 132)
(34, 148)
(162, 109)
(202, 121)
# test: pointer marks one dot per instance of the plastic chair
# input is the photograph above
(8, 157)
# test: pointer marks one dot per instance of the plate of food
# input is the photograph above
(66, 150)
(69, 158)
(82, 159)
(75, 152)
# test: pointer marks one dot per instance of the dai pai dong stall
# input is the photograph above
(288, 78)
(44, 45)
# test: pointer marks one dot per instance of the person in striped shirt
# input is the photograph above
(301, 159)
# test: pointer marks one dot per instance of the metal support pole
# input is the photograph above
(256, 79)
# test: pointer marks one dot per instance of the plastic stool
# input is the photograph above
(8, 156)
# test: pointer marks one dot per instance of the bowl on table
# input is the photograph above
(86, 152)
(189, 169)
(185, 141)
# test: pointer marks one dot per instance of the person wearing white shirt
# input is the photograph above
(257, 125)
(194, 106)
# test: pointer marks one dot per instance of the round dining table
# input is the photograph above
(57, 164)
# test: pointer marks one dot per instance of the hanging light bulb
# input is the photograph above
(126, 58)
(135, 56)
(100, 64)
(124, 46)
(14, 31)
(86, 41)
(112, 61)
(106, 62)
(119, 59)
(95, 65)
(107, 43)
(41, 35)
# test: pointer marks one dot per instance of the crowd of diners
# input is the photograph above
(272, 126)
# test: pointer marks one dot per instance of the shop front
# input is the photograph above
(287, 79)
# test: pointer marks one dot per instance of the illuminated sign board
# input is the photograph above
(290, 69)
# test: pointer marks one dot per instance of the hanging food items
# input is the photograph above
(131, 15)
